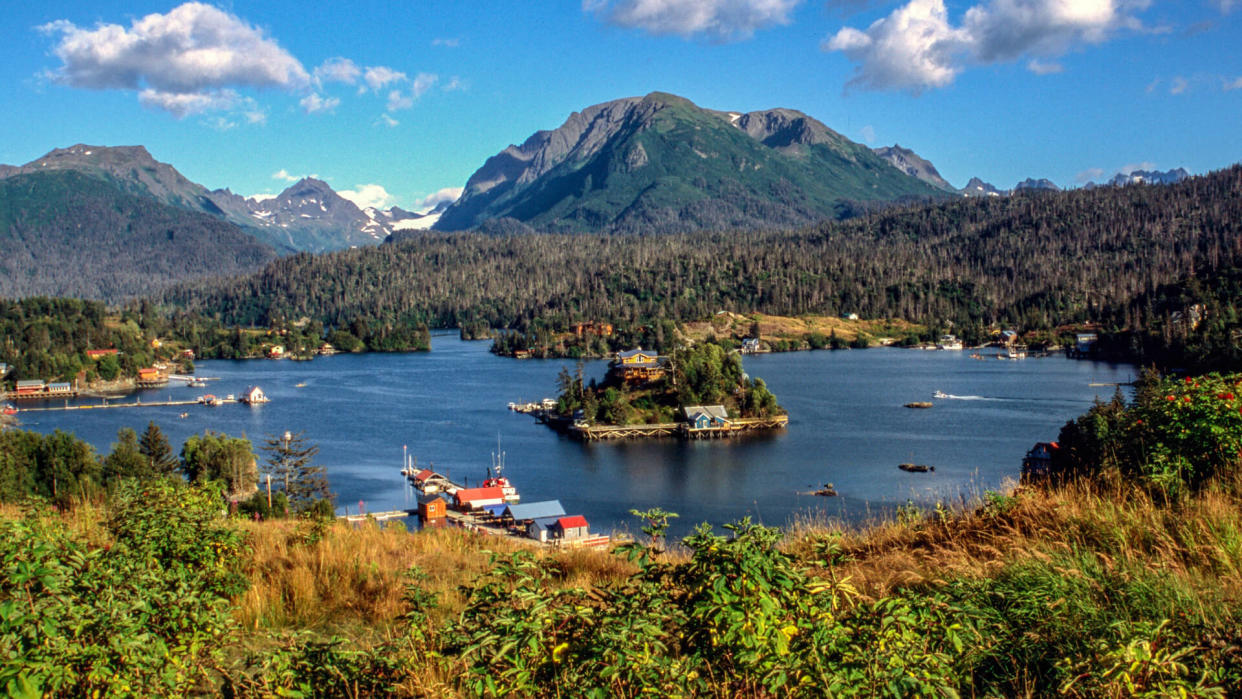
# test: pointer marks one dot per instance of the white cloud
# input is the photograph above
(429, 202)
(916, 47)
(184, 61)
(451, 43)
(313, 103)
(1151, 86)
(454, 83)
(1178, 85)
(365, 195)
(283, 174)
(1225, 6)
(1131, 167)
(338, 70)
(387, 120)
(262, 197)
(1039, 67)
(398, 99)
(1235, 84)
(719, 20)
(183, 104)
(377, 77)
(867, 133)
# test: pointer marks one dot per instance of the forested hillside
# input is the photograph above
(63, 233)
(1031, 260)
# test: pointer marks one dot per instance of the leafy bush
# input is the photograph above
(145, 615)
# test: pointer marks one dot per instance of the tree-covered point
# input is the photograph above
(47, 338)
(703, 374)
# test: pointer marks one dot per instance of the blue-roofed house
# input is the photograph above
(541, 529)
(750, 345)
(535, 510)
(703, 417)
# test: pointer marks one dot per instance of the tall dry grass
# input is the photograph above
(1198, 539)
(353, 580)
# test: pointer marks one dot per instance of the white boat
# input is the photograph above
(940, 394)
(948, 342)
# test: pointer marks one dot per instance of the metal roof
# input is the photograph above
(494, 510)
(714, 411)
(634, 353)
(571, 522)
(536, 510)
(543, 523)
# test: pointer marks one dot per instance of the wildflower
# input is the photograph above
(1170, 397)
(1186, 399)
(558, 652)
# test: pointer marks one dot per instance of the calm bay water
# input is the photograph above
(847, 427)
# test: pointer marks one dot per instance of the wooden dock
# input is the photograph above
(106, 406)
(682, 430)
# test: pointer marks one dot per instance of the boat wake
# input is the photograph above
(949, 396)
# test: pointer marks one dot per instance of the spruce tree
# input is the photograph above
(159, 454)
(290, 465)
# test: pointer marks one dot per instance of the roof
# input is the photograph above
(495, 510)
(544, 523)
(424, 474)
(428, 499)
(571, 522)
(536, 510)
(634, 353)
(713, 411)
(468, 494)
(30, 383)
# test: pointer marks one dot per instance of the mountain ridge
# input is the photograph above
(661, 163)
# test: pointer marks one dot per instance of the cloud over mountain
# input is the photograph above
(719, 20)
(916, 47)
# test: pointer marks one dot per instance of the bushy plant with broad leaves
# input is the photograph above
(145, 615)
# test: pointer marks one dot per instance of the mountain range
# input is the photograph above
(308, 216)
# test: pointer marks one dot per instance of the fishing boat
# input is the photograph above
(916, 468)
(940, 394)
(197, 383)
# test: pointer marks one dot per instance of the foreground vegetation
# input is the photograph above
(1123, 580)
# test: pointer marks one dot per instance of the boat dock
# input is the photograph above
(681, 430)
(135, 404)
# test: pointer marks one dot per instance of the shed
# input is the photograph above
(541, 529)
(571, 528)
(476, 498)
(59, 389)
(254, 395)
(433, 507)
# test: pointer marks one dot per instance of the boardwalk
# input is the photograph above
(594, 433)
(136, 404)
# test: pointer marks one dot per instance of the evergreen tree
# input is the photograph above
(290, 466)
(214, 456)
(158, 452)
(126, 459)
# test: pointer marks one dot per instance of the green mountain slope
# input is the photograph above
(64, 233)
(661, 163)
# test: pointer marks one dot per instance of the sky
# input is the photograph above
(399, 103)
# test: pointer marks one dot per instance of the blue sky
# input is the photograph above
(394, 102)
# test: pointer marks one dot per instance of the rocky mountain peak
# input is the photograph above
(910, 163)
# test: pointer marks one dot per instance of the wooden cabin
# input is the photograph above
(1038, 461)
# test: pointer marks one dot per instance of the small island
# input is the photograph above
(698, 392)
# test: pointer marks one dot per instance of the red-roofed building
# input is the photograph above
(571, 528)
(475, 498)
